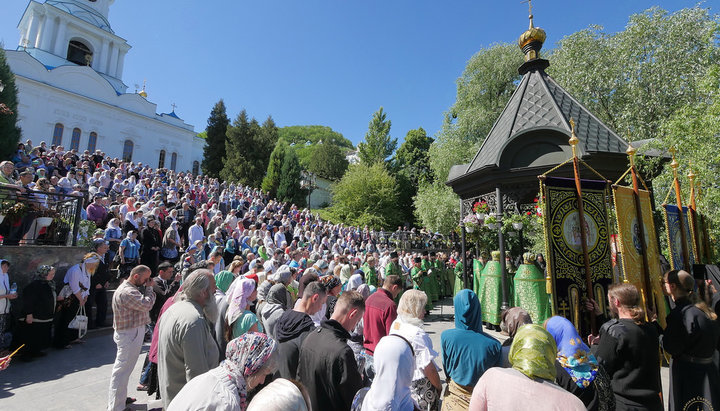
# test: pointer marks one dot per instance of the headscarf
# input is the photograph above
(513, 319)
(572, 353)
(42, 272)
(282, 274)
(279, 395)
(278, 295)
(394, 368)
(364, 290)
(330, 282)
(354, 282)
(468, 314)
(237, 297)
(533, 352)
(244, 356)
(223, 279)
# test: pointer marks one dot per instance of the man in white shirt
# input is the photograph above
(196, 231)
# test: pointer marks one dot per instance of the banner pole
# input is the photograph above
(581, 217)
(650, 302)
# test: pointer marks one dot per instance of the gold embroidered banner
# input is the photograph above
(631, 248)
(675, 238)
(564, 250)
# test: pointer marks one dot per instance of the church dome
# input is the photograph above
(143, 93)
(531, 41)
(83, 12)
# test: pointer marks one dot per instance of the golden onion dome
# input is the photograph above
(143, 93)
(531, 41)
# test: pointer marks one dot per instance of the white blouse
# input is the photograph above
(421, 344)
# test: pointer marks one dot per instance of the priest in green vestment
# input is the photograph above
(459, 280)
(438, 271)
(371, 277)
(491, 298)
(478, 266)
(420, 280)
(431, 284)
(530, 290)
(393, 268)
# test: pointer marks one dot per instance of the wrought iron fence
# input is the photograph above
(33, 217)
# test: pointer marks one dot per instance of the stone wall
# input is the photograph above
(24, 261)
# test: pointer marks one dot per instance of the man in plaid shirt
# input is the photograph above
(131, 306)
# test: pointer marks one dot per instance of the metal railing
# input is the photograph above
(33, 217)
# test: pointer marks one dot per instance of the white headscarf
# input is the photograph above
(394, 366)
(280, 395)
(355, 281)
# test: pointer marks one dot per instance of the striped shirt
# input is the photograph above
(131, 307)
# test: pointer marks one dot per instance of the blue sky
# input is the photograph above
(331, 62)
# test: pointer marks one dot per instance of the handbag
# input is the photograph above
(169, 252)
(80, 322)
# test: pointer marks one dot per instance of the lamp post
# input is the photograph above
(307, 182)
(519, 227)
(501, 246)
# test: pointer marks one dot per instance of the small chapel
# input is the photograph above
(68, 69)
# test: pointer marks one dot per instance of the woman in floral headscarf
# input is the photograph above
(577, 370)
(248, 360)
(529, 381)
(38, 309)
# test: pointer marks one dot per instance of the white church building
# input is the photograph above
(68, 70)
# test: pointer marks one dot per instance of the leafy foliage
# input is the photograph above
(366, 195)
(272, 178)
(305, 140)
(327, 160)
(248, 148)
(436, 207)
(289, 185)
(378, 144)
(215, 134)
(413, 157)
(9, 131)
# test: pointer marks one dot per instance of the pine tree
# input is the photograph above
(236, 167)
(272, 177)
(214, 151)
(9, 131)
(265, 139)
(289, 187)
(378, 145)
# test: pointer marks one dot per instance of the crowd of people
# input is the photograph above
(251, 303)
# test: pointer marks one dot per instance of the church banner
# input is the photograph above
(631, 248)
(675, 240)
(564, 249)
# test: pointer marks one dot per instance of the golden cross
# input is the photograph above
(564, 308)
(529, 2)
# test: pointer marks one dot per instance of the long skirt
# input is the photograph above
(63, 334)
(36, 337)
(694, 385)
(457, 397)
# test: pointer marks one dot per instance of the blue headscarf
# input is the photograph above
(573, 354)
(467, 351)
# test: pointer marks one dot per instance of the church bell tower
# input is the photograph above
(74, 32)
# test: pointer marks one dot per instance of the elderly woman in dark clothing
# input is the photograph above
(38, 310)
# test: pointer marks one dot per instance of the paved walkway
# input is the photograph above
(78, 378)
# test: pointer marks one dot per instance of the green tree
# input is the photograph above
(437, 208)
(366, 195)
(636, 79)
(289, 186)
(378, 144)
(216, 131)
(9, 131)
(246, 151)
(483, 90)
(305, 140)
(413, 157)
(274, 170)
(328, 160)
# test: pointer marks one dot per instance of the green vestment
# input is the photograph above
(432, 285)
(491, 299)
(420, 282)
(530, 293)
(370, 275)
(459, 280)
(477, 277)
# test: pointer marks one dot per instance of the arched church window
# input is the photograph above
(75, 141)
(173, 161)
(161, 160)
(92, 142)
(196, 168)
(128, 151)
(79, 53)
(57, 134)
